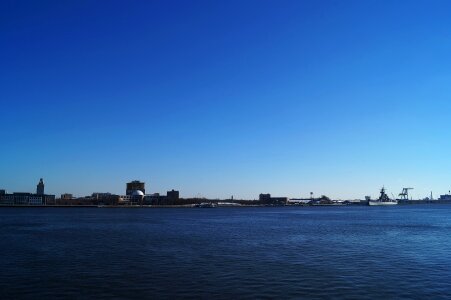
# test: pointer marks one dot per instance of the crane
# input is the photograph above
(405, 193)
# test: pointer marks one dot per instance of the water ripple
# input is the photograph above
(245, 253)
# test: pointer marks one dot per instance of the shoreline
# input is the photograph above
(413, 202)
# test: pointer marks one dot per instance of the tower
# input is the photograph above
(40, 187)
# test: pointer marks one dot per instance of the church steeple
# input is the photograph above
(40, 187)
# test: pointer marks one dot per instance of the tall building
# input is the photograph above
(135, 185)
(172, 195)
(40, 188)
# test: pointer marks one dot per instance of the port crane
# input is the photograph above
(405, 193)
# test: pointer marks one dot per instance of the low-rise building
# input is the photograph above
(446, 197)
(49, 200)
(67, 196)
(267, 199)
(21, 198)
(35, 200)
(105, 199)
(7, 199)
(154, 199)
(295, 201)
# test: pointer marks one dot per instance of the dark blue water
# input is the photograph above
(304, 252)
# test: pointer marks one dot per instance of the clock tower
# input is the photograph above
(40, 187)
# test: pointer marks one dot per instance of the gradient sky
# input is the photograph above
(221, 98)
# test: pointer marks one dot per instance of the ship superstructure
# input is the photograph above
(383, 199)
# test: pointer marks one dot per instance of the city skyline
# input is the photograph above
(226, 98)
(137, 185)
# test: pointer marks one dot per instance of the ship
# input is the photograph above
(206, 205)
(383, 200)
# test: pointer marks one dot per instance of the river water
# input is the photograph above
(279, 252)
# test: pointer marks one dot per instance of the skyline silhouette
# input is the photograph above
(226, 98)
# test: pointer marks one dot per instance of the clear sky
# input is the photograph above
(221, 98)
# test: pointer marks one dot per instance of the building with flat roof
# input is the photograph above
(36, 200)
(135, 185)
(446, 197)
(67, 196)
(264, 197)
(173, 195)
(268, 199)
(7, 199)
(21, 198)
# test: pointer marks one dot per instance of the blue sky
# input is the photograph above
(220, 98)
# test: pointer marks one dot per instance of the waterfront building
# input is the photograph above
(264, 197)
(103, 199)
(279, 200)
(151, 199)
(7, 199)
(28, 198)
(49, 199)
(154, 199)
(66, 200)
(40, 187)
(125, 199)
(137, 197)
(21, 198)
(35, 200)
(67, 196)
(107, 199)
(267, 199)
(100, 195)
(298, 201)
(147, 199)
(135, 185)
(446, 197)
(173, 195)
